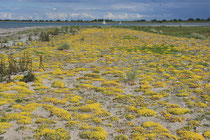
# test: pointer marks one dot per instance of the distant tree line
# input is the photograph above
(181, 20)
(108, 20)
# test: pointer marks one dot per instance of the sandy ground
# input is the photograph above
(15, 30)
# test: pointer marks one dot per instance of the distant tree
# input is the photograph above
(154, 20)
(100, 20)
(175, 20)
(197, 19)
(108, 20)
(58, 20)
(190, 19)
(94, 20)
(179, 19)
(208, 19)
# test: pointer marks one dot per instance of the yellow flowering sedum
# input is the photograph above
(58, 84)
(5, 86)
(43, 120)
(3, 126)
(145, 112)
(22, 117)
(97, 133)
(179, 111)
(3, 101)
(207, 134)
(27, 108)
(55, 100)
(188, 135)
(52, 134)
(75, 99)
(22, 90)
(64, 114)
(22, 84)
(110, 83)
(157, 128)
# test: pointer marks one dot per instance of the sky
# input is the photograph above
(104, 9)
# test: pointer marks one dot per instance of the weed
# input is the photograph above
(29, 77)
(64, 46)
(44, 36)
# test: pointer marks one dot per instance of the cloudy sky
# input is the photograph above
(106, 9)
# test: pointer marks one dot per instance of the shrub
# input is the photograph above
(29, 77)
(64, 46)
(44, 36)
(131, 75)
(55, 31)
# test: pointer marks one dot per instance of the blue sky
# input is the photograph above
(105, 9)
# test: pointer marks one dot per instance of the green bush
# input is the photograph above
(44, 36)
(29, 77)
(64, 46)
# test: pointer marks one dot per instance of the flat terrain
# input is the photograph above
(109, 83)
(197, 32)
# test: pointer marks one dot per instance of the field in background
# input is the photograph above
(197, 32)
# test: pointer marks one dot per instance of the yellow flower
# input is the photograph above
(58, 84)
(190, 135)
(179, 111)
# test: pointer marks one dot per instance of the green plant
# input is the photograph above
(55, 31)
(30, 38)
(130, 77)
(29, 77)
(64, 46)
(44, 36)
(197, 36)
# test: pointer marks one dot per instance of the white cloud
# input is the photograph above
(123, 16)
(81, 15)
(5, 16)
(54, 9)
(74, 15)
(30, 17)
(139, 16)
(21, 18)
(56, 15)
